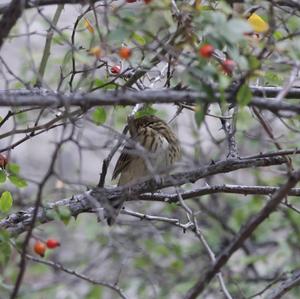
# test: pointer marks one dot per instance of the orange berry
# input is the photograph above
(228, 66)
(206, 50)
(116, 69)
(125, 52)
(95, 51)
(52, 243)
(3, 161)
(39, 248)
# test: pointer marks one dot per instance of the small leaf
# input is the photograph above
(88, 25)
(118, 35)
(4, 235)
(105, 85)
(64, 214)
(22, 118)
(5, 251)
(95, 293)
(272, 78)
(2, 176)
(278, 35)
(147, 110)
(139, 39)
(52, 214)
(13, 168)
(244, 95)
(6, 202)
(99, 116)
(254, 63)
(17, 181)
(257, 23)
(82, 58)
(200, 111)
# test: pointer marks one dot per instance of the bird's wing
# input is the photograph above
(127, 154)
(139, 132)
(122, 163)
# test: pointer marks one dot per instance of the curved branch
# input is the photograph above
(19, 222)
(58, 266)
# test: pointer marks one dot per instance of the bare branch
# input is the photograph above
(58, 266)
(283, 286)
(244, 233)
(231, 189)
(109, 98)
(9, 18)
(37, 3)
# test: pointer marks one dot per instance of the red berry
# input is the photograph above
(147, 1)
(125, 53)
(52, 243)
(206, 51)
(39, 248)
(3, 161)
(228, 66)
(115, 69)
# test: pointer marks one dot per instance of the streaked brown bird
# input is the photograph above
(152, 149)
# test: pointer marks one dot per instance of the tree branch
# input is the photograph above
(58, 266)
(85, 202)
(37, 3)
(9, 18)
(231, 189)
(244, 233)
(284, 285)
(44, 98)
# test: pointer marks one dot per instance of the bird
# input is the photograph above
(151, 149)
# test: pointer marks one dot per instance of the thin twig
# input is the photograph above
(58, 266)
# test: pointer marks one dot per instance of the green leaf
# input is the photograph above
(64, 214)
(200, 111)
(99, 116)
(139, 39)
(254, 63)
(2, 176)
(177, 265)
(52, 214)
(13, 168)
(278, 35)
(104, 84)
(5, 251)
(118, 35)
(17, 181)
(4, 235)
(244, 95)
(96, 292)
(6, 202)
(272, 78)
(148, 110)
(82, 58)
(22, 118)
